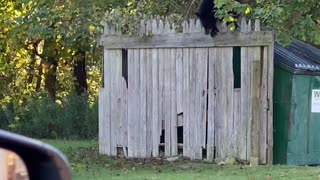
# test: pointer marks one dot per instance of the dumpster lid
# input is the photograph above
(298, 57)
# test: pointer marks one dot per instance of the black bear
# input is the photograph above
(206, 13)
(207, 17)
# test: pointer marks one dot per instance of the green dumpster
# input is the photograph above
(296, 105)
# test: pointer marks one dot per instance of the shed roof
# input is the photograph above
(298, 57)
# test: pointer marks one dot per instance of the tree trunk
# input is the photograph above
(51, 77)
(80, 73)
(39, 78)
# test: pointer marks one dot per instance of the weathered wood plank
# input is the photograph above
(211, 105)
(107, 85)
(117, 93)
(249, 122)
(229, 89)
(270, 103)
(162, 57)
(224, 100)
(155, 96)
(113, 92)
(149, 101)
(186, 103)
(201, 98)
(161, 87)
(184, 40)
(237, 122)
(124, 109)
(179, 76)
(143, 106)
(245, 79)
(104, 134)
(245, 98)
(173, 95)
(155, 103)
(133, 102)
(220, 113)
(263, 106)
(167, 102)
(192, 105)
(131, 97)
(255, 96)
(167, 94)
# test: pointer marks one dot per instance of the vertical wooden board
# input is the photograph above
(179, 76)
(167, 101)
(149, 102)
(143, 103)
(255, 97)
(161, 87)
(220, 110)
(263, 107)
(155, 94)
(131, 98)
(201, 98)
(236, 122)
(192, 107)
(104, 135)
(137, 103)
(133, 102)
(186, 103)
(173, 99)
(270, 103)
(118, 90)
(124, 110)
(155, 103)
(107, 85)
(249, 123)
(245, 80)
(114, 108)
(229, 89)
(211, 105)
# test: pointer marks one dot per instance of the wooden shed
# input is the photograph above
(167, 93)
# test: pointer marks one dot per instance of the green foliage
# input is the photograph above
(72, 117)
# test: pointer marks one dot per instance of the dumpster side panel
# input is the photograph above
(281, 104)
(314, 124)
(298, 126)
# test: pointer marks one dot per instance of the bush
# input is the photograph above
(72, 117)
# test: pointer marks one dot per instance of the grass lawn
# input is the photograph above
(87, 164)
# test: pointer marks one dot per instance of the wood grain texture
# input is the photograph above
(113, 113)
(255, 97)
(104, 134)
(149, 105)
(201, 98)
(237, 122)
(187, 40)
(179, 80)
(124, 113)
(192, 103)
(186, 102)
(211, 105)
(155, 103)
(229, 90)
(142, 134)
(263, 106)
(173, 95)
(167, 101)
(270, 103)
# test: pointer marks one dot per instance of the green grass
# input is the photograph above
(86, 164)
